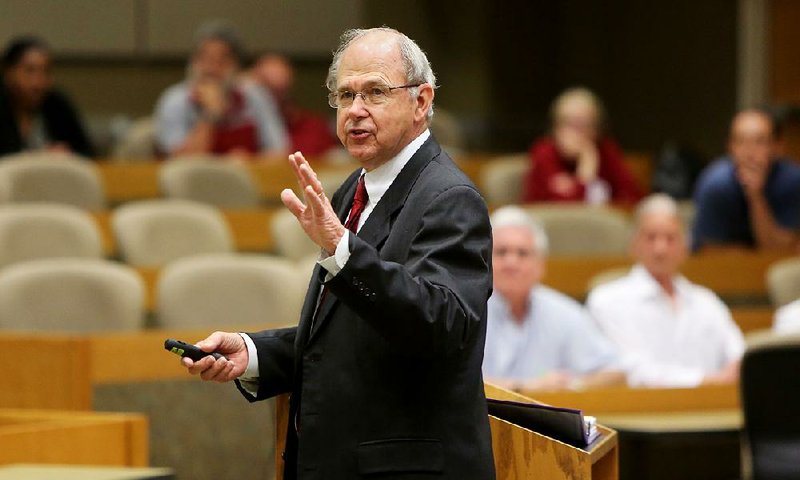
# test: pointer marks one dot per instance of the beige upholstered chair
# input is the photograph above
(332, 179)
(52, 177)
(502, 179)
(583, 230)
(138, 143)
(154, 232)
(209, 180)
(71, 295)
(218, 290)
(290, 239)
(31, 231)
(783, 281)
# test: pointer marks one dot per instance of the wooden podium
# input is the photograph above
(519, 453)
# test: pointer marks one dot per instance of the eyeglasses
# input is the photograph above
(375, 95)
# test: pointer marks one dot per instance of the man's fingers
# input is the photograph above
(293, 203)
(316, 201)
(310, 179)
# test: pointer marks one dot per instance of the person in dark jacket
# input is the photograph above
(33, 114)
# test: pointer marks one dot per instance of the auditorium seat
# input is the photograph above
(770, 395)
(71, 295)
(31, 231)
(502, 179)
(218, 290)
(289, 238)
(575, 229)
(52, 177)
(783, 281)
(606, 276)
(209, 180)
(152, 233)
(138, 142)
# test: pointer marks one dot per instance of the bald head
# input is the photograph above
(659, 243)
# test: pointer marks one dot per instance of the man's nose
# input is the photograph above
(358, 108)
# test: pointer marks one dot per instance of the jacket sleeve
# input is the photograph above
(436, 300)
(275, 363)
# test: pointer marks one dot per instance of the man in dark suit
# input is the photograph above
(384, 368)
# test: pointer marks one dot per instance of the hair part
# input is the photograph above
(17, 47)
(513, 216)
(415, 62)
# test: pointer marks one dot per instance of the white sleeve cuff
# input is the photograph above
(336, 262)
(251, 373)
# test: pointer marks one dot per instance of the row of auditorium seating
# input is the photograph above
(92, 295)
(78, 181)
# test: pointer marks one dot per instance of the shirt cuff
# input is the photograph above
(336, 262)
(251, 373)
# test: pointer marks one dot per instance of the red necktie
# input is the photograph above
(359, 203)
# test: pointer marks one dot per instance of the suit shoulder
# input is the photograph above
(444, 171)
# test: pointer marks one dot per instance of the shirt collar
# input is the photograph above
(378, 181)
(644, 285)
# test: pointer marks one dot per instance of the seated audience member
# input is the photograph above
(538, 338)
(670, 332)
(787, 318)
(578, 162)
(211, 112)
(33, 114)
(751, 197)
(308, 132)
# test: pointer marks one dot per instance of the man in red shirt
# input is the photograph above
(578, 162)
(308, 131)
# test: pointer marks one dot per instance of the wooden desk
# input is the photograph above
(729, 274)
(64, 472)
(606, 401)
(685, 445)
(38, 436)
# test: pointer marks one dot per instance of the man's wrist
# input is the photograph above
(330, 248)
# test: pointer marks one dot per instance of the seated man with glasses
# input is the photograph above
(538, 338)
(384, 368)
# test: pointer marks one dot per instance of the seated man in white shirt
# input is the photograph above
(671, 332)
(787, 318)
(538, 338)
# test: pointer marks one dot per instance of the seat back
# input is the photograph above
(583, 230)
(52, 177)
(218, 290)
(154, 232)
(770, 389)
(289, 238)
(71, 295)
(503, 177)
(783, 281)
(41, 230)
(209, 180)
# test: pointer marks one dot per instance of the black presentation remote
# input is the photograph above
(187, 350)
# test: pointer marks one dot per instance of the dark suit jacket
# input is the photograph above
(389, 380)
(60, 118)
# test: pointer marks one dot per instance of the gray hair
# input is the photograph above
(418, 68)
(512, 216)
(223, 31)
(656, 203)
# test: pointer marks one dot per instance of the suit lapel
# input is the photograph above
(378, 225)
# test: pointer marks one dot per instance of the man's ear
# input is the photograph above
(424, 101)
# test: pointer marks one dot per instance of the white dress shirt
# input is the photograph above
(787, 318)
(377, 182)
(666, 343)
